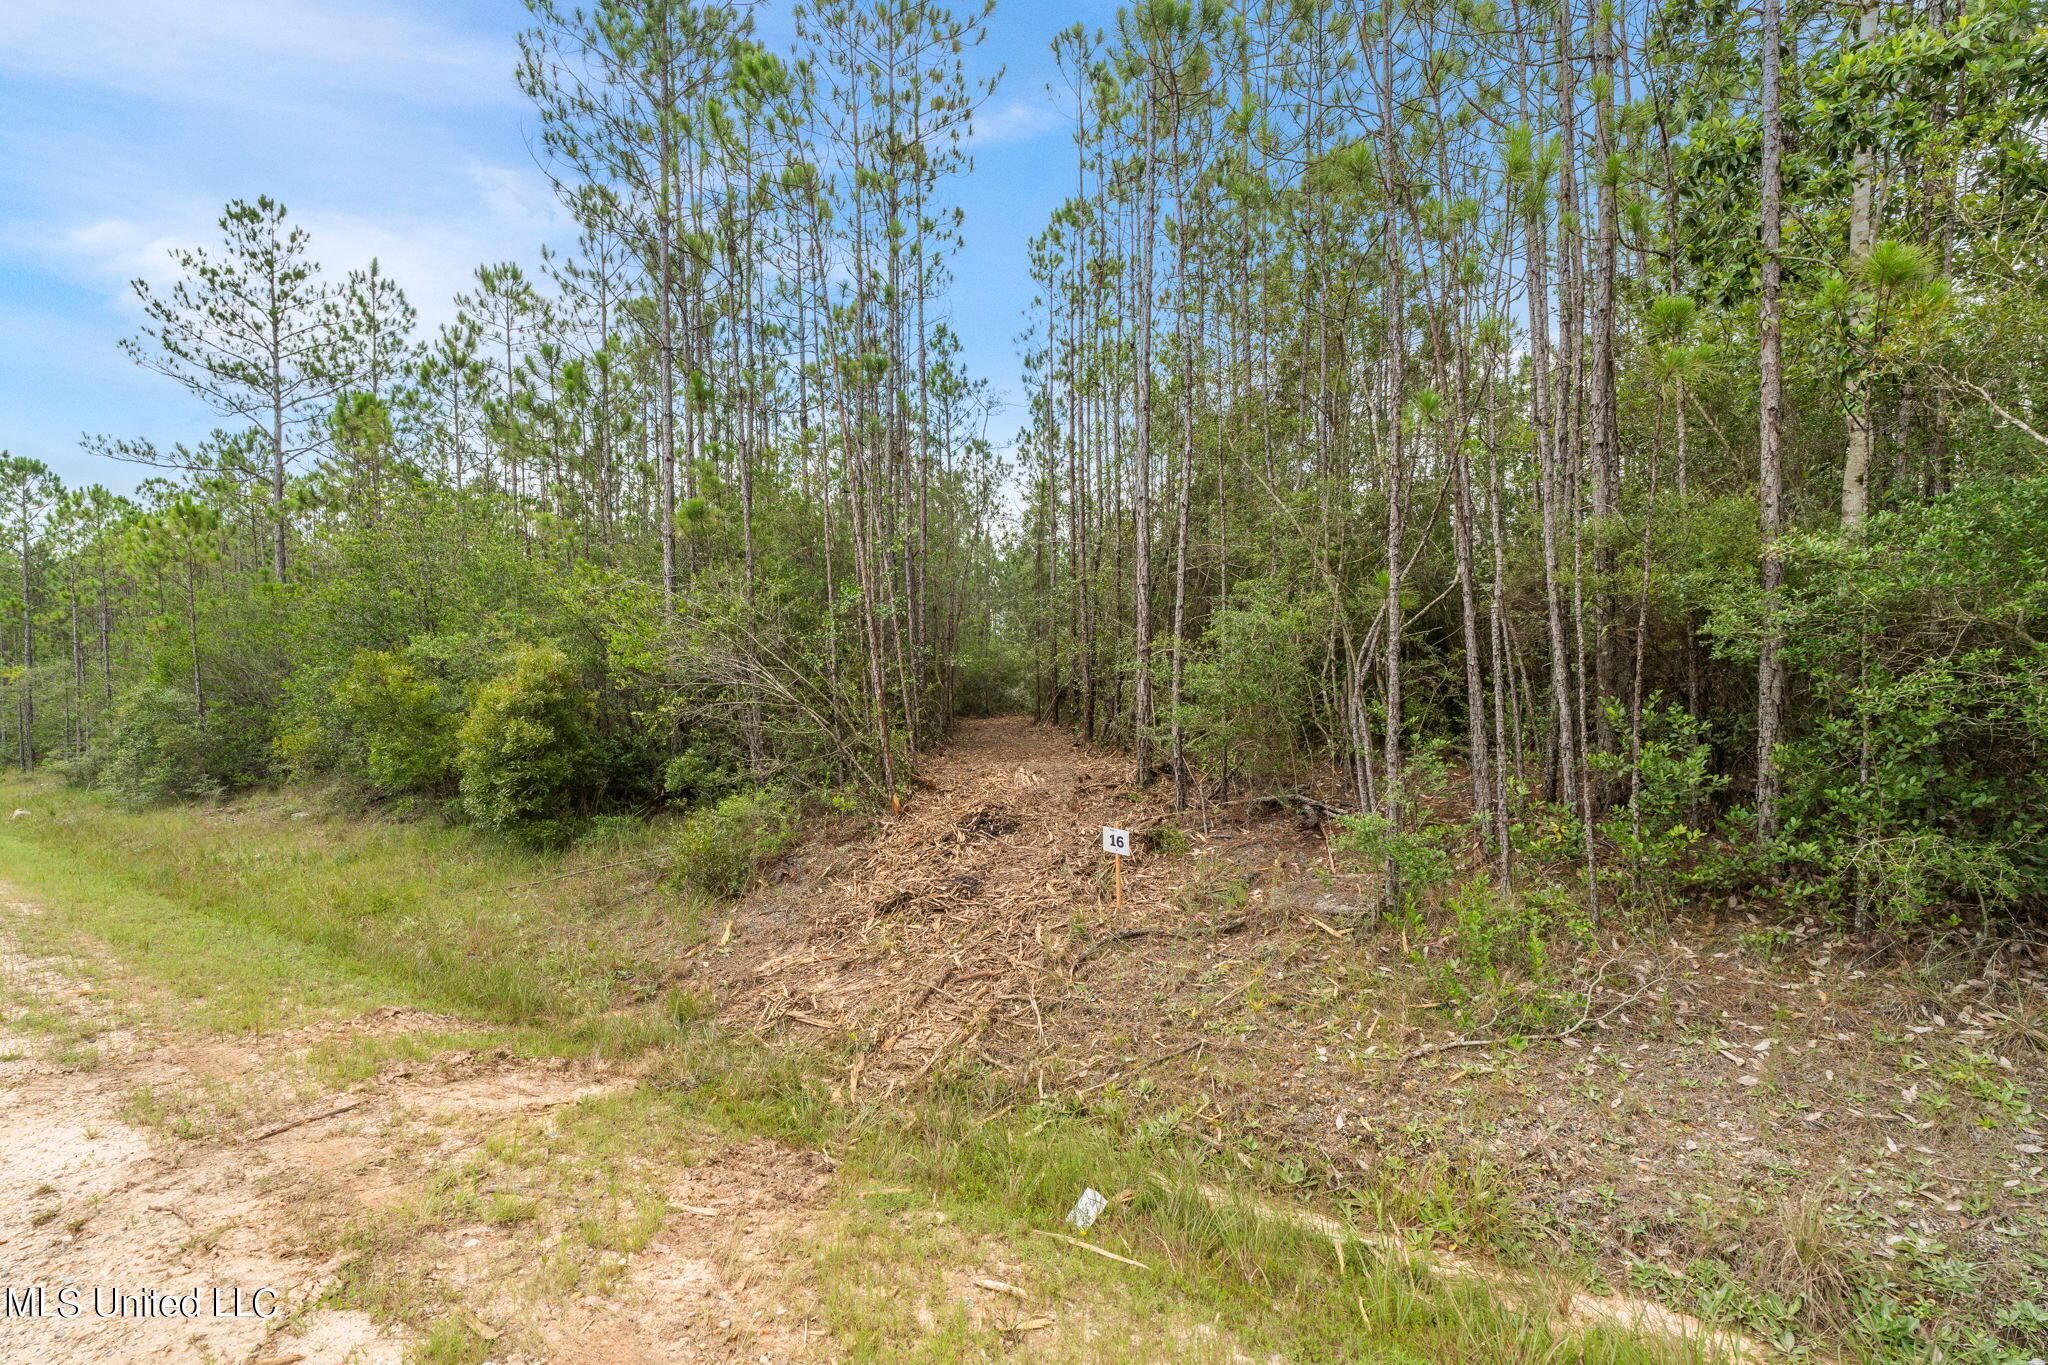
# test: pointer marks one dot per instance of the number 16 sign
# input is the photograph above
(1117, 841)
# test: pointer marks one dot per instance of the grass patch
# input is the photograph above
(251, 918)
(1270, 1284)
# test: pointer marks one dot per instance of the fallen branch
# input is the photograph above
(1585, 1021)
(1140, 1066)
(274, 1129)
(1307, 802)
(1125, 935)
(1087, 1246)
(1301, 799)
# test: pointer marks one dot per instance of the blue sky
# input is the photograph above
(391, 130)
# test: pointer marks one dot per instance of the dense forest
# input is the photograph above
(1599, 446)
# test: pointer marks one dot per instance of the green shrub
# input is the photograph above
(720, 849)
(1251, 692)
(1668, 786)
(1914, 789)
(1503, 969)
(1419, 857)
(1494, 933)
(524, 752)
(991, 675)
(403, 721)
(155, 750)
(388, 721)
(699, 775)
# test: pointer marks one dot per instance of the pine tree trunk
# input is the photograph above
(1856, 391)
(1141, 476)
(1601, 399)
(1770, 702)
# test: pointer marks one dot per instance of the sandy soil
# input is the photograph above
(92, 1199)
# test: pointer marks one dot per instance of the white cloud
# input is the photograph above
(251, 53)
(361, 115)
(513, 194)
(1015, 120)
(119, 249)
(434, 259)
(432, 255)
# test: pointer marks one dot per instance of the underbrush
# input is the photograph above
(719, 849)
(1514, 963)
(1872, 1199)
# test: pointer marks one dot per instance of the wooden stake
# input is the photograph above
(1119, 880)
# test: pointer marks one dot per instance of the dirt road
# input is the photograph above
(256, 1226)
(949, 920)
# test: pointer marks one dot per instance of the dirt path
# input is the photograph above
(948, 920)
(89, 1200)
(94, 1196)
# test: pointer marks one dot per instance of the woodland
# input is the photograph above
(1597, 449)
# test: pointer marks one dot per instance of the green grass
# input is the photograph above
(247, 919)
(252, 919)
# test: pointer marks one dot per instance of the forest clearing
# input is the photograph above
(456, 1105)
(869, 680)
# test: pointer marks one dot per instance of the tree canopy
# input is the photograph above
(1606, 440)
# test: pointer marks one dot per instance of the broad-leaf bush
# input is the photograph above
(155, 749)
(1249, 699)
(387, 721)
(720, 849)
(524, 751)
(1918, 781)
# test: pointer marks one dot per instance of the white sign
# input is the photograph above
(1089, 1206)
(1116, 841)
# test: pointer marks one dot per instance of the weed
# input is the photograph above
(507, 1210)
(1769, 940)
(1802, 1249)
(1216, 889)
(1501, 970)
(624, 1229)
(73, 1056)
(1167, 840)
(682, 1007)
(450, 1341)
